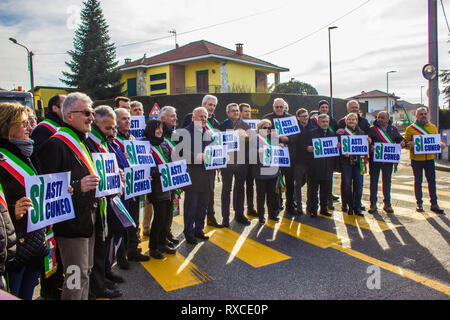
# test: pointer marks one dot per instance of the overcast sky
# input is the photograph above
(372, 37)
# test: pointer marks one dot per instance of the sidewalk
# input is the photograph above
(442, 165)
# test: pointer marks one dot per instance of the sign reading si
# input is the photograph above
(174, 175)
(325, 147)
(216, 157)
(108, 171)
(229, 138)
(137, 181)
(276, 156)
(387, 152)
(286, 126)
(427, 143)
(354, 145)
(52, 202)
(138, 127)
(139, 152)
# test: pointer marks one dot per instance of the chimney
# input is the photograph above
(127, 60)
(240, 48)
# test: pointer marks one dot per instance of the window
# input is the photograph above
(158, 76)
(159, 86)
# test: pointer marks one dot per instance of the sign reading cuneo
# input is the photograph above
(387, 152)
(325, 147)
(216, 157)
(276, 156)
(139, 152)
(137, 181)
(137, 128)
(354, 145)
(427, 143)
(174, 175)
(52, 202)
(286, 126)
(107, 169)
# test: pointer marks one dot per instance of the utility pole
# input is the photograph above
(331, 77)
(433, 83)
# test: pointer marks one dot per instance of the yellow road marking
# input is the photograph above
(365, 222)
(174, 271)
(239, 246)
(436, 285)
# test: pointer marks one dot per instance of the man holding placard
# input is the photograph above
(423, 141)
(385, 153)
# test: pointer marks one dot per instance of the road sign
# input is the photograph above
(154, 113)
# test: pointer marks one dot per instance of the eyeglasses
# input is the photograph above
(87, 113)
(266, 128)
(279, 107)
(26, 123)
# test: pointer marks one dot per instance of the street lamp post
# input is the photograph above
(30, 63)
(421, 101)
(387, 90)
(331, 78)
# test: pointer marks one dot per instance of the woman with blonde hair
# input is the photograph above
(15, 166)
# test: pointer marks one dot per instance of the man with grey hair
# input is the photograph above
(61, 153)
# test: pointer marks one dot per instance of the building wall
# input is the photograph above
(128, 74)
(45, 94)
(375, 104)
(154, 71)
(213, 68)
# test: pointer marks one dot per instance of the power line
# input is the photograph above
(180, 33)
(316, 31)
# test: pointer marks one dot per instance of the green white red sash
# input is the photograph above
(420, 129)
(50, 260)
(263, 141)
(78, 148)
(362, 159)
(2, 198)
(209, 127)
(386, 139)
(158, 155)
(16, 167)
(51, 125)
(97, 138)
(171, 144)
(119, 141)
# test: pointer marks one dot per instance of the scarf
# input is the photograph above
(25, 146)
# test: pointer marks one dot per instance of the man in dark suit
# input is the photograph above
(198, 193)
(320, 170)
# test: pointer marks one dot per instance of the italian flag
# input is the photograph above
(50, 260)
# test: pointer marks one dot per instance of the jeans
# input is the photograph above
(195, 206)
(23, 281)
(352, 181)
(374, 170)
(430, 173)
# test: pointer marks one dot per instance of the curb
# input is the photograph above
(442, 168)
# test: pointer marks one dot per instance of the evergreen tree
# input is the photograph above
(93, 65)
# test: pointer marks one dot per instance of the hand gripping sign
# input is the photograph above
(325, 147)
(286, 126)
(52, 202)
(108, 171)
(137, 181)
(139, 153)
(276, 156)
(354, 145)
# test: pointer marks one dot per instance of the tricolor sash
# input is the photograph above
(2, 198)
(158, 155)
(97, 138)
(209, 127)
(16, 167)
(420, 129)
(362, 159)
(50, 260)
(119, 141)
(76, 146)
(263, 141)
(386, 139)
(51, 125)
(171, 144)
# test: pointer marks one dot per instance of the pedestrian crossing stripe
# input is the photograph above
(366, 222)
(174, 271)
(250, 251)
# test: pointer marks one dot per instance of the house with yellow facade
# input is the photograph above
(198, 67)
(42, 94)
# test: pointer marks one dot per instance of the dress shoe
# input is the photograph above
(313, 214)
(243, 221)
(419, 208)
(172, 239)
(292, 211)
(325, 213)
(111, 285)
(262, 220)
(167, 249)
(201, 236)
(155, 253)
(373, 208)
(330, 206)
(335, 198)
(114, 277)
(252, 212)
(274, 218)
(363, 208)
(191, 240)
(214, 223)
(358, 212)
(137, 256)
(350, 212)
(123, 263)
(436, 209)
(344, 208)
(110, 294)
(387, 208)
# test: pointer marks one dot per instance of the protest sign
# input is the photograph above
(325, 147)
(174, 175)
(139, 152)
(229, 138)
(386, 152)
(427, 143)
(216, 157)
(137, 181)
(108, 171)
(286, 126)
(276, 156)
(354, 145)
(253, 123)
(52, 202)
(138, 127)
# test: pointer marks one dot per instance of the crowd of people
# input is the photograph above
(73, 130)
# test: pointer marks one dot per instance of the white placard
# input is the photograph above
(139, 153)
(354, 145)
(286, 126)
(387, 152)
(253, 123)
(427, 143)
(107, 169)
(325, 147)
(138, 127)
(137, 181)
(216, 157)
(174, 175)
(276, 156)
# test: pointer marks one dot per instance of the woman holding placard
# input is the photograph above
(15, 166)
(265, 177)
(352, 170)
(161, 200)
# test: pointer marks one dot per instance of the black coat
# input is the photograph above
(41, 133)
(320, 168)
(55, 156)
(157, 194)
(201, 178)
(7, 239)
(299, 143)
(211, 118)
